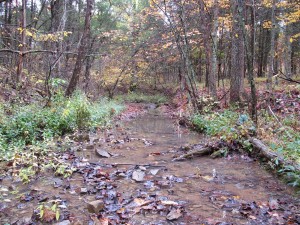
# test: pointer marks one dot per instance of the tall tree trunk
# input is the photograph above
(287, 52)
(19, 75)
(190, 75)
(88, 65)
(81, 50)
(214, 39)
(6, 37)
(272, 50)
(250, 61)
(237, 51)
(58, 23)
(200, 61)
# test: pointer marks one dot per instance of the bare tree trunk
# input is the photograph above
(272, 50)
(237, 51)
(185, 54)
(200, 61)
(88, 65)
(214, 39)
(81, 50)
(19, 75)
(183, 47)
(6, 37)
(287, 53)
(250, 62)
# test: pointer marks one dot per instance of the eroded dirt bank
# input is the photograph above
(126, 176)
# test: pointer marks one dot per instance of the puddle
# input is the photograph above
(208, 190)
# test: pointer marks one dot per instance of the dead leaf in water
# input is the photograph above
(273, 204)
(169, 203)
(103, 221)
(49, 215)
(207, 178)
(138, 202)
(154, 153)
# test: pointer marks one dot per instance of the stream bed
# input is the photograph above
(130, 169)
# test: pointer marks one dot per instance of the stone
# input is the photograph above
(64, 222)
(95, 206)
(174, 214)
(138, 175)
(102, 153)
(89, 147)
(83, 190)
(154, 171)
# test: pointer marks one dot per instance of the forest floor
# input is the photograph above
(126, 175)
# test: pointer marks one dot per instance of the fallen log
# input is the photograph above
(260, 149)
(198, 151)
(265, 152)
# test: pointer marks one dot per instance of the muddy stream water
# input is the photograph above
(202, 190)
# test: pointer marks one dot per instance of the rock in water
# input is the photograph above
(95, 206)
(83, 190)
(138, 175)
(174, 214)
(102, 153)
(64, 222)
(154, 171)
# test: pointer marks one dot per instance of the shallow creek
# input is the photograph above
(211, 191)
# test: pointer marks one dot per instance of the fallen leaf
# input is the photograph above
(169, 203)
(49, 215)
(155, 153)
(273, 204)
(208, 178)
(103, 221)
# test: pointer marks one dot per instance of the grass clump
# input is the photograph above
(22, 125)
(143, 98)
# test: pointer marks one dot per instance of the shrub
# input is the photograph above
(32, 124)
(143, 98)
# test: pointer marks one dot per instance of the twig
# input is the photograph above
(273, 114)
(224, 95)
(287, 78)
(133, 164)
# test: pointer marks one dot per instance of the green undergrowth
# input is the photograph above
(231, 125)
(33, 124)
(227, 125)
(137, 97)
(284, 139)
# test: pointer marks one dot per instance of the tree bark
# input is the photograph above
(237, 51)
(19, 74)
(214, 44)
(81, 50)
(272, 50)
(250, 62)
